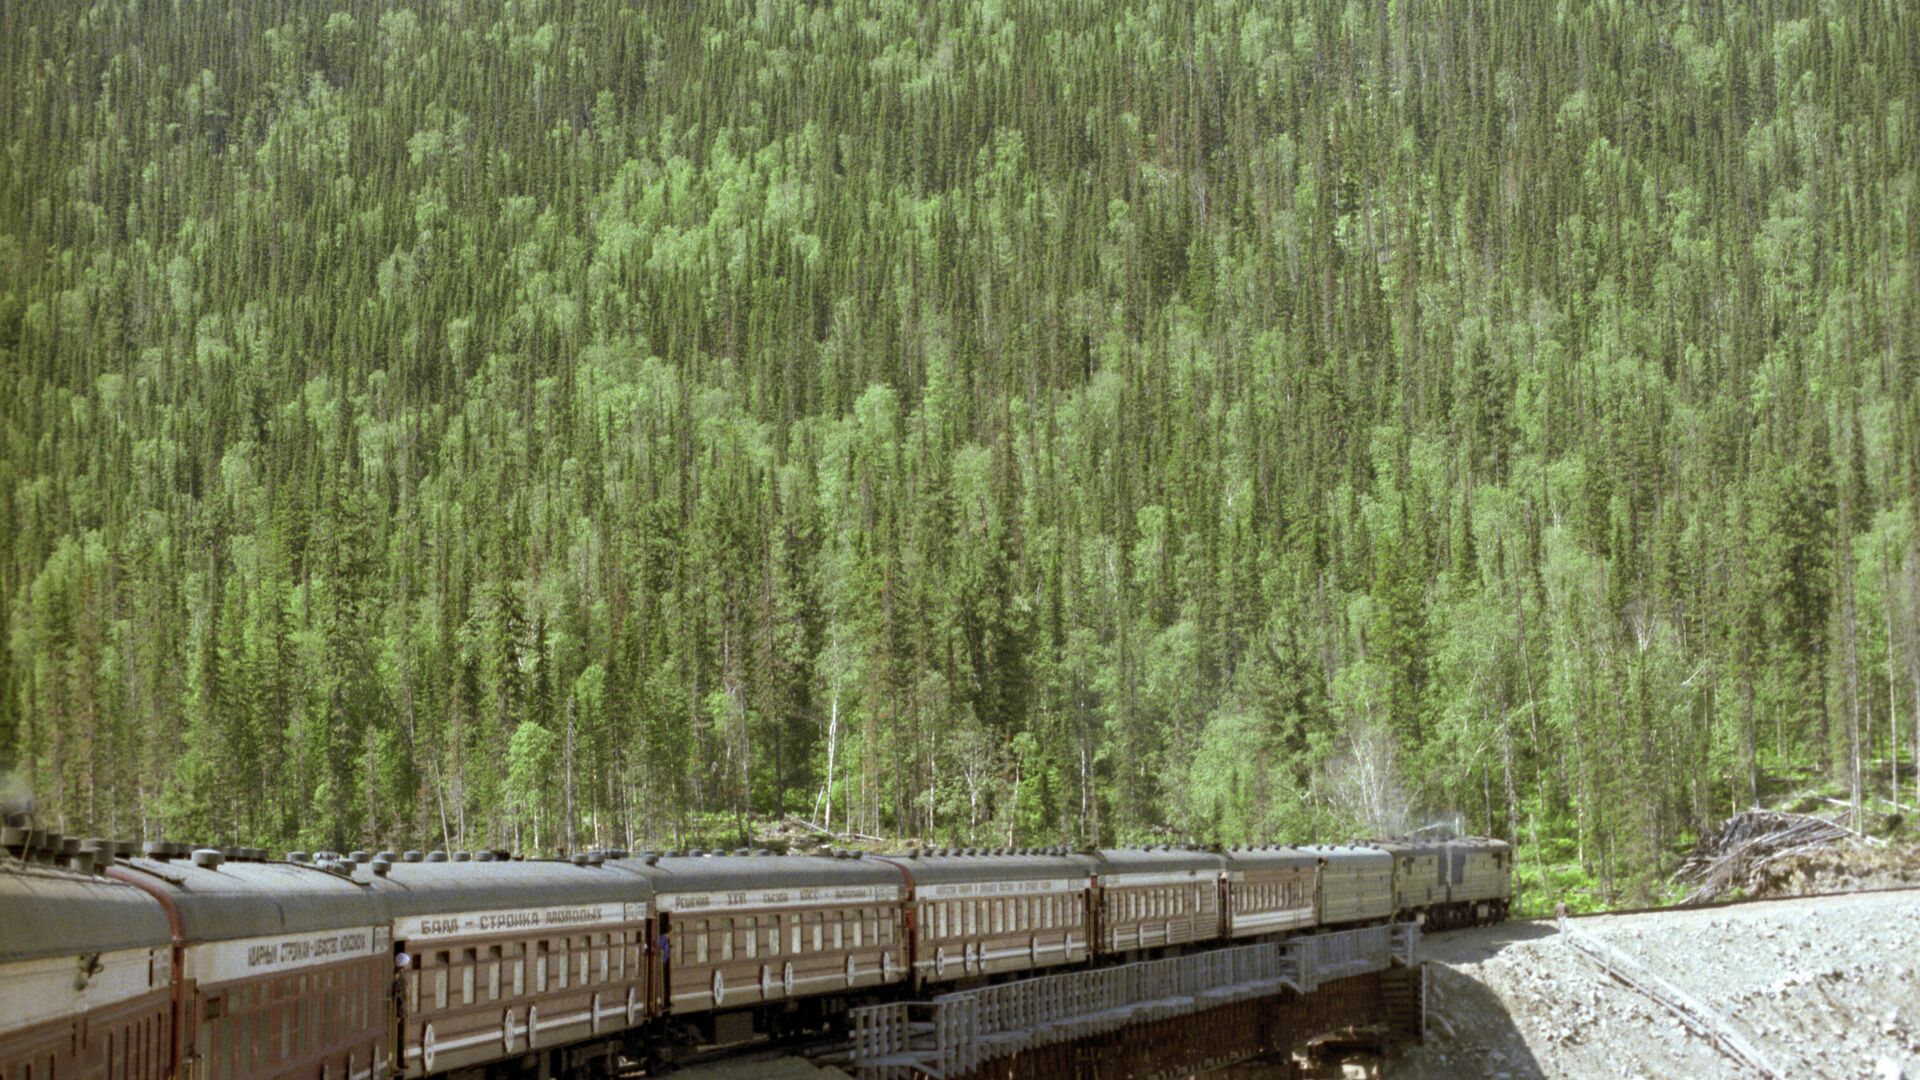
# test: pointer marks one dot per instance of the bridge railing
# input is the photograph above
(954, 1033)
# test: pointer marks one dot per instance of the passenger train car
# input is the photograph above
(86, 969)
(767, 932)
(203, 964)
(970, 916)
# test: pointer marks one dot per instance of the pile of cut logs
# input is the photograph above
(1735, 855)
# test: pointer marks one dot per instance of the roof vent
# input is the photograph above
(580, 858)
(359, 856)
(695, 852)
(596, 858)
(762, 852)
(345, 866)
(98, 853)
(483, 856)
(410, 856)
(299, 857)
(208, 858)
(650, 858)
(462, 856)
(436, 856)
(390, 856)
(381, 866)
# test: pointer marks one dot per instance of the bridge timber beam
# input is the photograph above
(1154, 1018)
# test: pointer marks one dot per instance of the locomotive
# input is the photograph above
(177, 963)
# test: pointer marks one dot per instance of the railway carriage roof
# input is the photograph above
(1271, 858)
(1351, 854)
(46, 912)
(1156, 860)
(254, 899)
(950, 869)
(1410, 848)
(735, 873)
(423, 888)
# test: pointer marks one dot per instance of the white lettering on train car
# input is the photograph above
(224, 961)
(479, 923)
(829, 896)
(1001, 888)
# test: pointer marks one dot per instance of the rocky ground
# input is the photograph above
(1818, 986)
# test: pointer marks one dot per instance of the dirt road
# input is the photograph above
(1819, 986)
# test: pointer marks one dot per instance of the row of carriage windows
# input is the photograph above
(132, 1050)
(289, 1017)
(947, 919)
(135, 1050)
(1295, 892)
(706, 941)
(1130, 905)
(450, 978)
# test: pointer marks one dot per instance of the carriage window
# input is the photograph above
(493, 973)
(839, 924)
(753, 938)
(700, 943)
(468, 960)
(540, 968)
(600, 957)
(859, 924)
(726, 939)
(440, 984)
(818, 930)
(519, 973)
(773, 935)
(795, 921)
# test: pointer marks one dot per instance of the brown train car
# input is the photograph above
(977, 915)
(1156, 898)
(747, 931)
(1270, 890)
(506, 961)
(86, 968)
(280, 969)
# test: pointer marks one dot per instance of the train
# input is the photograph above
(165, 961)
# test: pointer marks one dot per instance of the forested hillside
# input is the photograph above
(568, 422)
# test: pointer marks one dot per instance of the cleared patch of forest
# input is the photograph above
(570, 422)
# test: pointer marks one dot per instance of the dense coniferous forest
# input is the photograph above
(554, 423)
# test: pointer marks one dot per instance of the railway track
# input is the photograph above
(1703, 1019)
(1713, 905)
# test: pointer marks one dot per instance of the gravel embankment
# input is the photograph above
(1819, 986)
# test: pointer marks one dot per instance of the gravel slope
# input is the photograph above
(1821, 986)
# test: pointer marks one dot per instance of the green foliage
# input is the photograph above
(584, 422)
